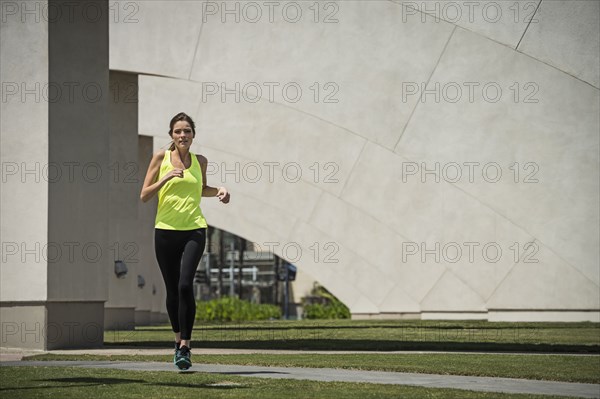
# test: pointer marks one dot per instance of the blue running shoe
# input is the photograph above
(184, 359)
(176, 355)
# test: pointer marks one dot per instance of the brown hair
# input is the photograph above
(182, 116)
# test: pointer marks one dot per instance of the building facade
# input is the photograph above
(419, 159)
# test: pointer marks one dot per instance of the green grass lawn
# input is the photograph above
(473, 336)
(556, 339)
(378, 335)
(538, 367)
(70, 382)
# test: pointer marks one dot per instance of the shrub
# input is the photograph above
(235, 309)
(329, 308)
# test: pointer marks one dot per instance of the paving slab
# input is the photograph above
(482, 384)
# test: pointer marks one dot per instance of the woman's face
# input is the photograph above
(182, 135)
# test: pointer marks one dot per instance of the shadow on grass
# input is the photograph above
(93, 380)
(79, 382)
(200, 386)
(247, 372)
(429, 324)
(371, 345)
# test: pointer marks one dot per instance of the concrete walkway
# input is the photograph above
(483, 384)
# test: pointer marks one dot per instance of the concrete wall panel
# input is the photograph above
(24, 325)
(451, 294)
(154, 37)
(162, 98)
(366, 55)
(425, 214)
(502, 21)
(551, 143)
(546, 285)
(276, 185)
(566, 35)
(321, 152)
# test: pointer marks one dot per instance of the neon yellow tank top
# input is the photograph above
(179, 199)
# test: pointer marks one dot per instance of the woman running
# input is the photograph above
(179, 178)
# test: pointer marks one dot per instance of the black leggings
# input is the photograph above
(178, 254)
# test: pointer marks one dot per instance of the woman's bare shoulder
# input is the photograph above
(159, 155)
(202, 159)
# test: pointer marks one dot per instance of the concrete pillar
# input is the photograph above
(124, 177)
(150, 305)
(54, 210)
(24, 196)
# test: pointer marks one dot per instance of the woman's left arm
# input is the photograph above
(207, 191)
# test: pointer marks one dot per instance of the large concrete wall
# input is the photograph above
(390, 90)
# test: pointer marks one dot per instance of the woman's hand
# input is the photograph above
(173, 173)
(223, 195)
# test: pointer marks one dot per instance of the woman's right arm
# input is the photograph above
(151, 185)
